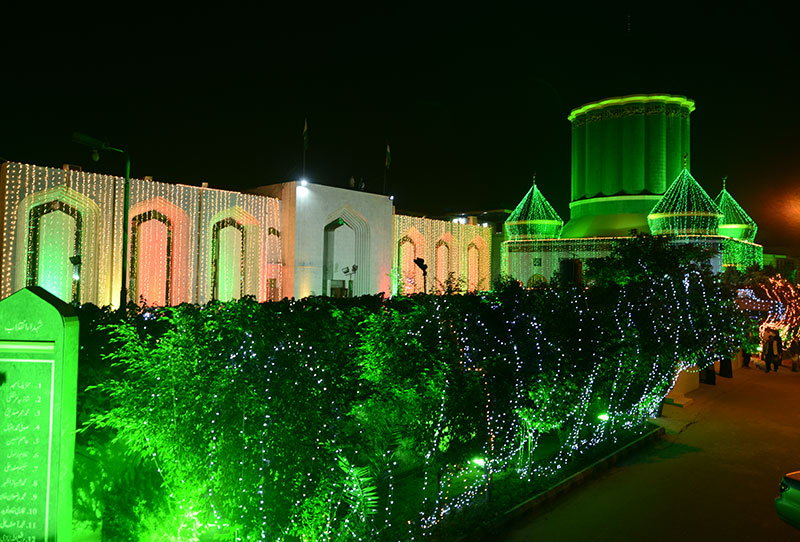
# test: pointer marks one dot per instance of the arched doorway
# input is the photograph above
(339, 259)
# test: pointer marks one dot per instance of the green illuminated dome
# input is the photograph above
(534, 218)
(735, 222)
(685, 209)
(625, 152)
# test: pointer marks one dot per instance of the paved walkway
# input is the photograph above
(714, 477)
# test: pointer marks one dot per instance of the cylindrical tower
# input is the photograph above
(625, 152)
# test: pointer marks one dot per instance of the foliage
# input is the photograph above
(373, 419)
(641, 257)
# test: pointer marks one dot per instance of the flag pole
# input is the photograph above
(305, 146)
(386, 169)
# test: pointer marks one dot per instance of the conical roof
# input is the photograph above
(735, 222)
(533, 218)
(685, 209)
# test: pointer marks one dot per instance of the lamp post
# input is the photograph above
(96, 145)
(350, 271)
(420, 262)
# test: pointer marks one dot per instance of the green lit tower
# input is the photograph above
(685, 209)
(625, 150)
(735, 223)
(533, 218)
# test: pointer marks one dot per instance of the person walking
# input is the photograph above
(774, 349)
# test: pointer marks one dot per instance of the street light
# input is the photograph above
(96, 145)
(350, 271)
(420, 262)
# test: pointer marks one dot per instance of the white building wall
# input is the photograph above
(306, 210)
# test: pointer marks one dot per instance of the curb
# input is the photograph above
(528, 508)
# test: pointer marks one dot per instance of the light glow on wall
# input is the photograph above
(63, 230)
(457, 255)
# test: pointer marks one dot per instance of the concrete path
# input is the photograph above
(714, 477)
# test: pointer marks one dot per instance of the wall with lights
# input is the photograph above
(63, 230)
(536, 261)
(458, 255)
(327, 230)
(51, 217)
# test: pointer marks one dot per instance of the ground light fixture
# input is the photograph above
(603, 417)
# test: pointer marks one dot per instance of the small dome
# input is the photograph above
(735, 222)
(685, 209)
(534, 218)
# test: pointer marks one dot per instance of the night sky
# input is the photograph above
(472, 101)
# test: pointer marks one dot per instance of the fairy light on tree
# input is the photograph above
(389, 419)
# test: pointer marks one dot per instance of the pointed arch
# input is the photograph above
(410, 246)
(445, 261)
(235, 256)
(477, 264)
(159, 235)
(59, 233)
(356, 221)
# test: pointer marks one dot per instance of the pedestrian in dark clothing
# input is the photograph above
(774, 350)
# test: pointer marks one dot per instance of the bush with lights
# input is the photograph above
(373, 419)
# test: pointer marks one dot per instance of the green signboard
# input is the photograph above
(38, 390)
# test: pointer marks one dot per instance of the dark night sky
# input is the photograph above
(471, 101)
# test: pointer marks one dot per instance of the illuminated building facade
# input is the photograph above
(630, 171)
(63, 230)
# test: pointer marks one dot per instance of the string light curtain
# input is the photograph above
(458, 255)
(57, 232)
(685, 209)
(160, 247)
(63, 230)
(535, 261)
(533, 218)
(735, 223)
(240, 250)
